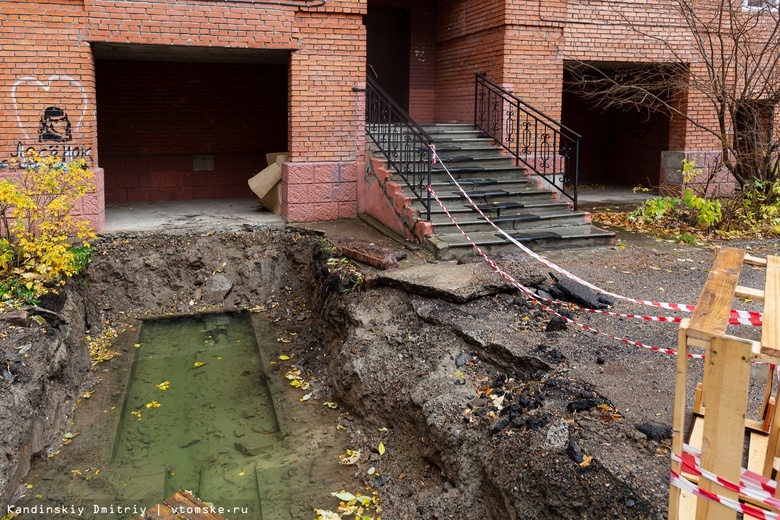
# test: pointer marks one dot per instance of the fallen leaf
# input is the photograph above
(284, 357)
(198, 364)
(381, 449)
(350, 457)
(346, 496)
(586, 460)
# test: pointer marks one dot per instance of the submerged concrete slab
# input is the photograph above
(448, 281)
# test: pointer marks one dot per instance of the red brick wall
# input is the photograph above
(596, 32)
(154, 116)
(324, 72)
(45, 61)
(422, 57)
(470, 39)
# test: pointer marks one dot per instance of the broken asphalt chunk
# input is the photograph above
(462, 359)
(574, 452)
(500, 425)
(579, 294)
(581, 405)
(655, 431)
(555, 324)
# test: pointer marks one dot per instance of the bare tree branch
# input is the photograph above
(730, 60)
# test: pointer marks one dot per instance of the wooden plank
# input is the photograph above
(755, 260)
(697, 432)
(678, 421)
(757, 452)
(698, 399)
(687, 509)
(772, 443)
(749, 259)
(770, 331)
(714, 305)
(749, 293)
(768, 401)
(724, 425)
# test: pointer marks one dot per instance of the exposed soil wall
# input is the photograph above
(45, 370)
(398, 369)
(483, 414)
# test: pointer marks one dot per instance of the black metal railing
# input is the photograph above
(403, 142)
(541, 143)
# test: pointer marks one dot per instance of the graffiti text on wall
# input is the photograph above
(55, 123)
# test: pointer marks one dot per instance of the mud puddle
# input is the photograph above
(191, 407)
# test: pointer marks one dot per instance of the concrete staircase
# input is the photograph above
(522, 204)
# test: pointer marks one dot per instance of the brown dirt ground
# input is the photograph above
(390, 359)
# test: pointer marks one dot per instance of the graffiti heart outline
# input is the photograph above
(46, 87)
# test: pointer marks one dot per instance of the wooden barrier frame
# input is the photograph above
(720, 432)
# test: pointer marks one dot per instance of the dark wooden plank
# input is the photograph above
(714, 305)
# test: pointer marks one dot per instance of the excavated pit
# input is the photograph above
(481, 413)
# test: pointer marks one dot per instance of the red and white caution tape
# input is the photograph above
(752, 485)
(737, 317)
(537, 299)
(735, 505)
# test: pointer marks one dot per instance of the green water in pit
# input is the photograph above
(221, 430)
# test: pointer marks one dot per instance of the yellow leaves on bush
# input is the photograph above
(37, 224)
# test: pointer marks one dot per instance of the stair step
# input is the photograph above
(482, 170)
(454, 200)
(464, 141)
(440, 185)
(511, 223)
(496, 195)
(465, 178)
(470, 159)
(446, 152)
(452, 246)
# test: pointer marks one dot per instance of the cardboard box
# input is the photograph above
(267, 186)
(272, 158)
(272, 201)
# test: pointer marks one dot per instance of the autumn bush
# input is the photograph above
(41, 241)
(750, 212)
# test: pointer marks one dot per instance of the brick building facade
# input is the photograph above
(182, 99)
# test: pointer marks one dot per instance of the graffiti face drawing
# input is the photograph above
(54, 126)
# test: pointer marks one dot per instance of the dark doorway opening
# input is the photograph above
(620, 145)
(388, 35)
(187, 126)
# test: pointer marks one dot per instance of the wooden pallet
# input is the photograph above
(720, 425)
(182, 501)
